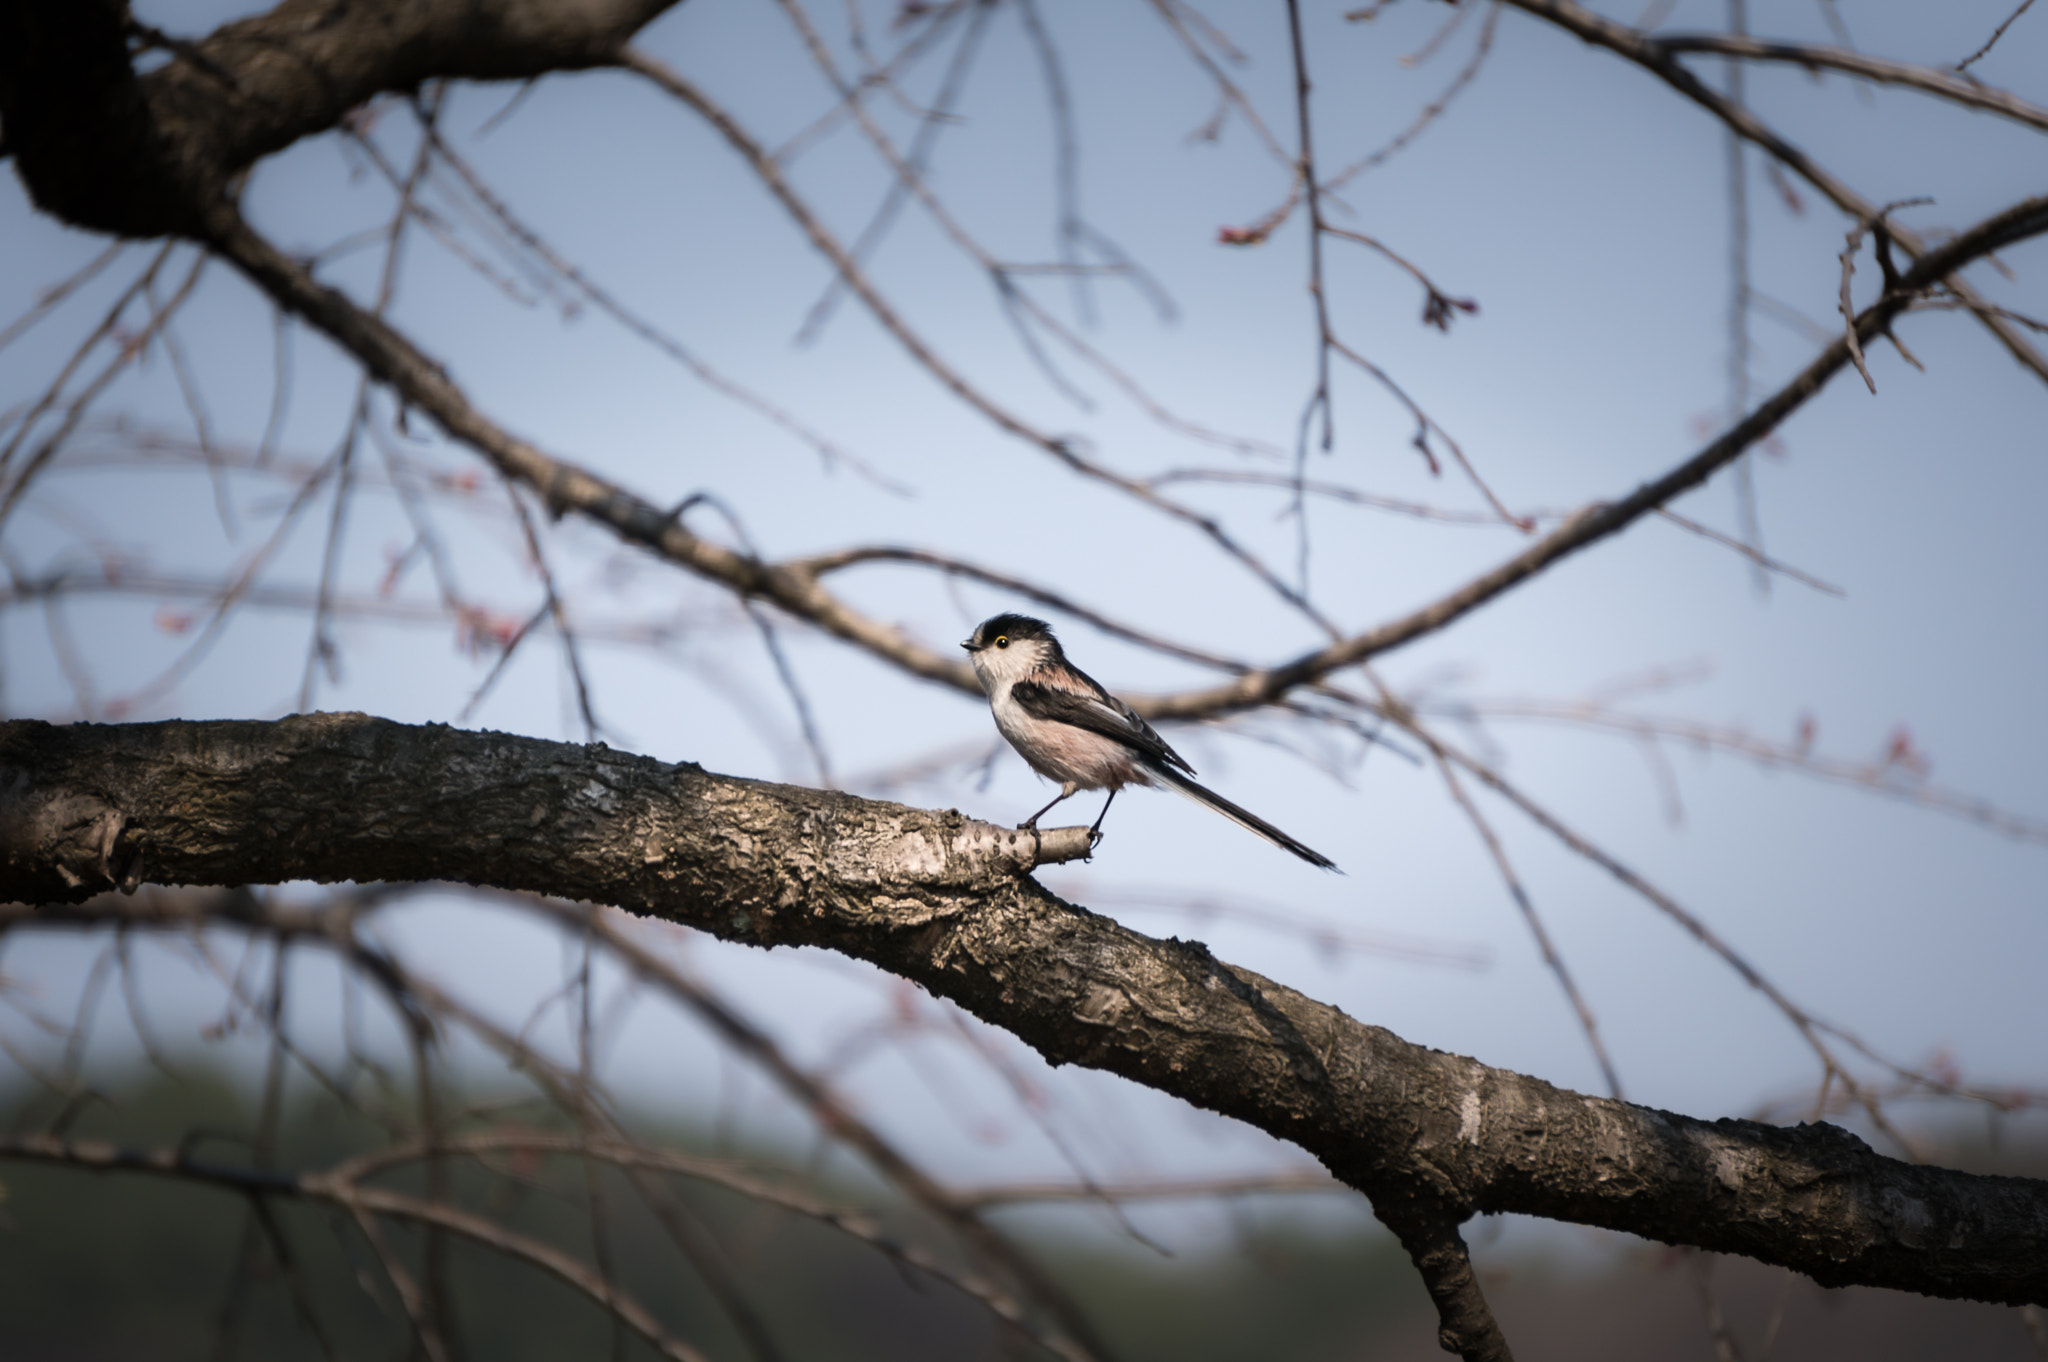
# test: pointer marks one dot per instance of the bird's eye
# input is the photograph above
(1003, 641)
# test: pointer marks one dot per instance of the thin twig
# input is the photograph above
(606, 301)
(129, 348)
(1582, 1009)
(1736, 151)
(1964, 65)
(844, 1125)
(47, 299)
(1430, 112)
(1063, 450)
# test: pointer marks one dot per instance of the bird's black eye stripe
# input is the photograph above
(1003, 642)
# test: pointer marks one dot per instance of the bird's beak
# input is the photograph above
(968, 645)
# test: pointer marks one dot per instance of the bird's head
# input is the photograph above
(1008, 647)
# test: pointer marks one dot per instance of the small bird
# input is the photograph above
(1073, 731)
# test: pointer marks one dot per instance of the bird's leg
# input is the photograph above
(1095, 831)
(1066, 792)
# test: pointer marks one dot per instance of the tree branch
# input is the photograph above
(141, 157)
(2024, 219)
(1931, 80)
(939, 899)
(1465, 1323)
(499, 35)
(795, 587)
(364, 1202)
(1645, 51)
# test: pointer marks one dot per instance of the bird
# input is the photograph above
(1073, 731)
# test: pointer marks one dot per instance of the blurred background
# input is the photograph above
(1810, 717)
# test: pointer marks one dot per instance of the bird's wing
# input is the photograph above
(1099, 712)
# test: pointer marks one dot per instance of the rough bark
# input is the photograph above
(1431, 1138)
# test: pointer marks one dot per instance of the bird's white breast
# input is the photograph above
(1062, 751)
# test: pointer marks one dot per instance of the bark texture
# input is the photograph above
(1431, 1138)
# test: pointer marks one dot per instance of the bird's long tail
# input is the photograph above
(1244, 818)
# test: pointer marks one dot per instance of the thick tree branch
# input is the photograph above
(68, 842)
(1431, 1138)
(142, 157)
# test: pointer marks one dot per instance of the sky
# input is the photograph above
(1576, 200)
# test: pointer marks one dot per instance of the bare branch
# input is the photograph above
(1888, 775)
(47, 300)
(1965, 65)
(1430, 113)
(1643, 50)
(1582, 1009)
(1931, 80)
(2025, 219)
(363, 1203)
(1466, 1325)
(1067, 451)
(1755, 555)
(1431, 1138)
